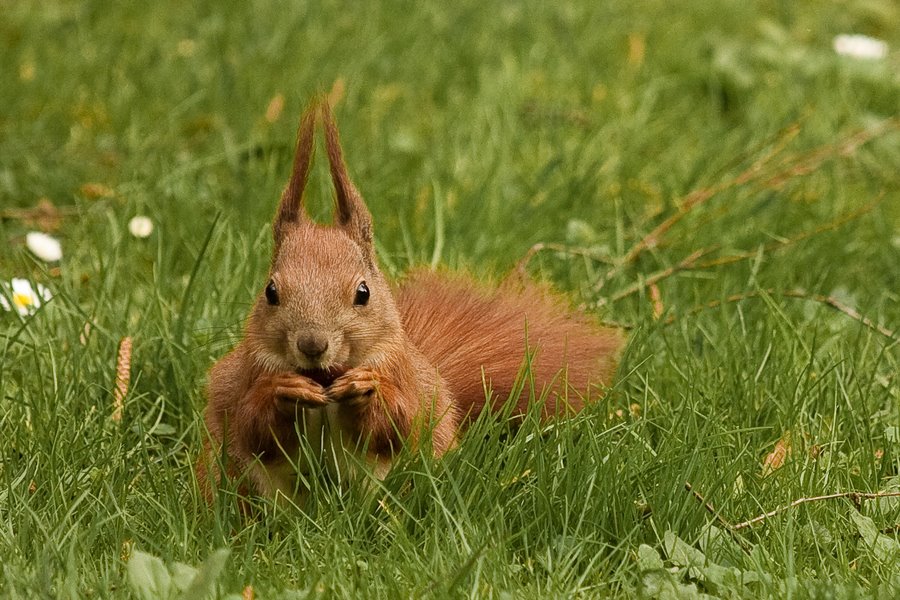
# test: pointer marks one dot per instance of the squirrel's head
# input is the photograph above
(325, 306)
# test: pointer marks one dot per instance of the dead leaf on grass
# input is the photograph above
(656, 300)
(275, 108)
(774, 460)
(338, 88)
(93, 190)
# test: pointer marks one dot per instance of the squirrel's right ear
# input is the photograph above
(291, 209)
(350, 212)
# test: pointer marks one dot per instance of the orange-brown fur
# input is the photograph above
(477, 337)
(316, 361)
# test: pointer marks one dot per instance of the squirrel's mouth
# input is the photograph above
(324, 377)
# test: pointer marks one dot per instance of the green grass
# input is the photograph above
(474, 131)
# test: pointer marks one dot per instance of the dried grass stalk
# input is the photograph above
(123, 377)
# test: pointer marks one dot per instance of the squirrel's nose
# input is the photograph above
(312, 345)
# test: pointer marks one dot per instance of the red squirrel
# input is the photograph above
(333, 352)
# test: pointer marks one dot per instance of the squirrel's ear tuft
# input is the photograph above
(350, 212)
(291, 210)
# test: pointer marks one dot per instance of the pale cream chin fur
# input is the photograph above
(333, 451)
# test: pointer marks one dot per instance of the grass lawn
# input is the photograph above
(712, 175)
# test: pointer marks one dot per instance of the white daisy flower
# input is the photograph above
(25, 298)
(45, 247)
(860, 46)
(140, 226)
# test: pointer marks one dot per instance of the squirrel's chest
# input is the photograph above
(326, 452)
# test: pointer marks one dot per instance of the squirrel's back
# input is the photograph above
(466, 330)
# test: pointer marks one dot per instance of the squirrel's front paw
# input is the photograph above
(356, 385)
(292, 390)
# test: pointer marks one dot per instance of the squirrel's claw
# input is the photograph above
(291, 390)
(356, 385)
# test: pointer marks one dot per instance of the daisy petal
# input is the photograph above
(25, 299)
(45, 247)
(140, 226)
(860, 46)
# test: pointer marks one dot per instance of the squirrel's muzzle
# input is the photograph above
(312, 345)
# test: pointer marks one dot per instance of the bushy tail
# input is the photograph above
(466, 330)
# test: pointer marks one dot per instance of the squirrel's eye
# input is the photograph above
(272, 293)
(362, 294)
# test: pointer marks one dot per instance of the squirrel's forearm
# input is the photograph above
(381, 420)
(258, 428)
(409, 399)
(242, 413)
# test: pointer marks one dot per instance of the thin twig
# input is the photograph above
(687, 262)
(708, 506)
(793, 166)
(743, 543)
(690, 264)
(847, 310)
(701, 196)
(522, 265)
(855, 496)
(803, 164)
(781, 244)
(822, 299)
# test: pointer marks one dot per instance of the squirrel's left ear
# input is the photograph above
(350, 212)
(291, 210)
